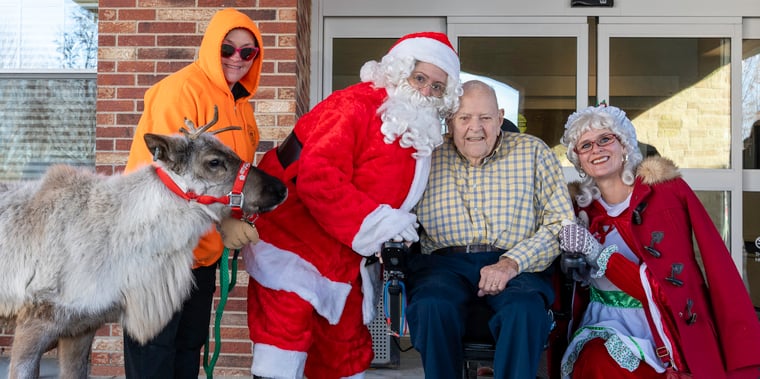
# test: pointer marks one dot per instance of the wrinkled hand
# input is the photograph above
(409, 234)
(494, 278)
(236, 233)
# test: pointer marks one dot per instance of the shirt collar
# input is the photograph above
(488, 157)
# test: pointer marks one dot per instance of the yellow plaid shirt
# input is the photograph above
(516, 200)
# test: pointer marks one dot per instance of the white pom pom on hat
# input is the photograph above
(429, 47)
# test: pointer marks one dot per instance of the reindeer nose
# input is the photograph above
(279, 189)
(271, 191)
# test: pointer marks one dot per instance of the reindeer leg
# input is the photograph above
(32, 337)
(74, 355)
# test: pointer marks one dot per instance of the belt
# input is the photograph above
(474, 248)
(289, 151)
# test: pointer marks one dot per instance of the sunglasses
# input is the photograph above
(246, 53)
(603, 140)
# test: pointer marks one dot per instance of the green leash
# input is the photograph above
(226, 283)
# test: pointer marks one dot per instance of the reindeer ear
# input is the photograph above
(159, 145)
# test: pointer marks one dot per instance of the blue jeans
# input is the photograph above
(440, 287)
(175, 351)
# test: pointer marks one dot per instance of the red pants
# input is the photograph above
(287, 322)
(596, 362)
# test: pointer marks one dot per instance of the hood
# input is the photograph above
(209, 57)
(652, 170)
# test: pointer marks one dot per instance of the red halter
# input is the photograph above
(234, 199)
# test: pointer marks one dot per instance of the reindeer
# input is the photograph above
(78, 249)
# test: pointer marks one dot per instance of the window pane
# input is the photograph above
(542, 69)
(45, 121)
(677, 92)
(751, 102)
(47, 34)
(350, 54)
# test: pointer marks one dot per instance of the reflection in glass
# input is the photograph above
(751, 102)
(543, 69)
(677, 92)
(47, 34)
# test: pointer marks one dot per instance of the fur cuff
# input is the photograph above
(372, 283)
(602, 260)
(266, 263)
(273, 362)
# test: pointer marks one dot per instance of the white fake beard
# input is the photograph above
(412, 118)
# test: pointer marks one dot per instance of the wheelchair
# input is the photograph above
(480, 347)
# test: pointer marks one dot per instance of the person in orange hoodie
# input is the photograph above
(226, 76)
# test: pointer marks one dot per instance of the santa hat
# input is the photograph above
(429, 47)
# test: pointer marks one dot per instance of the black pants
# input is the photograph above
(175, 351)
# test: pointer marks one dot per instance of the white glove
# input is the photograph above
(574, 238)
(408, 234)
(236, 233)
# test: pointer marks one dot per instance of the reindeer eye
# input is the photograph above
(215, 163)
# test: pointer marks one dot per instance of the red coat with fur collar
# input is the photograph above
(723, 339)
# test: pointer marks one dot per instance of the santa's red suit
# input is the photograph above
(351, 189)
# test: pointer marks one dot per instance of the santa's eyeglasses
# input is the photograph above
(420, 81)
(246, 53)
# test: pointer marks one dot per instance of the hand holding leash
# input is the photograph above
(236, 233)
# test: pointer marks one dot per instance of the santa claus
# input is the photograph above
(355, 166)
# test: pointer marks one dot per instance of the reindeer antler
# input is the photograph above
(192, 132)
(233, 127)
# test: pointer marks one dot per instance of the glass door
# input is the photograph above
(543, 60)
(750, 131)
(676, 79)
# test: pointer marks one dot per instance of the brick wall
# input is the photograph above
(140, 42)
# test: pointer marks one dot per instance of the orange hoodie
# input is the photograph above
(192, 93)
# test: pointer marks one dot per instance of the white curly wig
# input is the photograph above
(392, 70)
(598, 118)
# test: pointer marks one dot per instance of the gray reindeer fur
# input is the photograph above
(78, 250)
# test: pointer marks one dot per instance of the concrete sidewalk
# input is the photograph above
(411, 368)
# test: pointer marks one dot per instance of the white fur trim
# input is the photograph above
(372, 282)
(272, 362)
(384, 223)
(655, 313)
(429, 50)
(266, 263)
(421, 174)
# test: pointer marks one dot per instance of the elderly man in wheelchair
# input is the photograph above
(489, 220)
